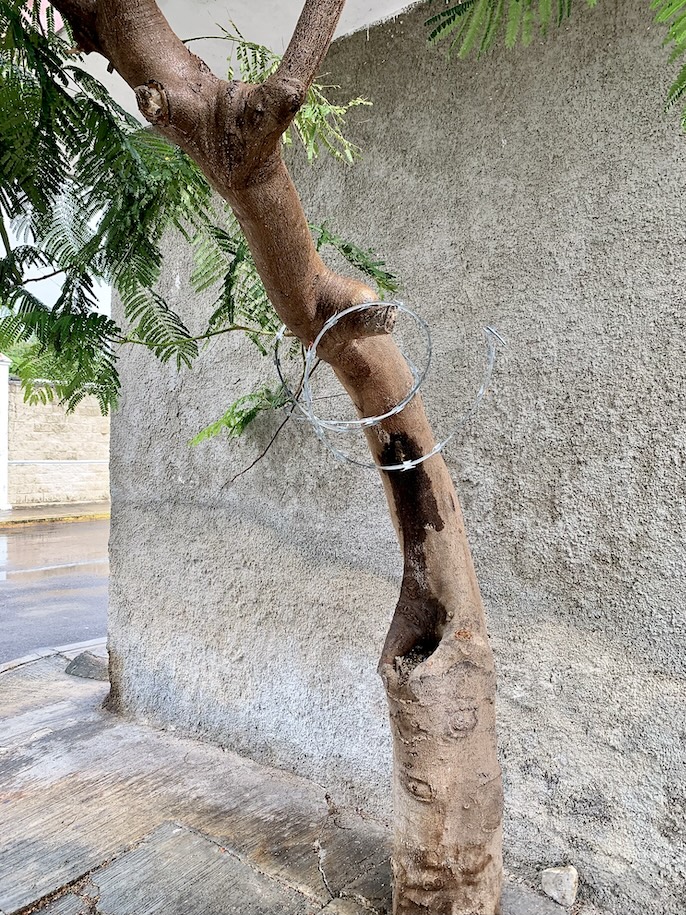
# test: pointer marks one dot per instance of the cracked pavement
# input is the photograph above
(104, 816)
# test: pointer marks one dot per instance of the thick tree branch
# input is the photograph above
(176, 90)
(81, 16)
(310, 41)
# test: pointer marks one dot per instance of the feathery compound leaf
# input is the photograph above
(365, 261)
(673, 12)
(474, 25)
(448, 21)
(492, 25)
(545, 14)
(159, 327)
(514, 21)
(242, 412)
(95, 194)
(677, 92)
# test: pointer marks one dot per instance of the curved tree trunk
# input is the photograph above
(436, 664)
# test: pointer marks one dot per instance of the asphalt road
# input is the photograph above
(53, 585)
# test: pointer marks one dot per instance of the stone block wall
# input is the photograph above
(56, 457)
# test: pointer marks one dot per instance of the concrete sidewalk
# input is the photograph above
(70, 511)
(104, 816)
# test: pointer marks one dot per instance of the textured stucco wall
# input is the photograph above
(540, 191)
(54, 456)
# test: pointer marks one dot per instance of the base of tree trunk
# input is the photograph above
(447, 786)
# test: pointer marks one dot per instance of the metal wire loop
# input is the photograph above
(304, 400)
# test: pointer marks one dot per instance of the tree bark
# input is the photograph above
(436, 663)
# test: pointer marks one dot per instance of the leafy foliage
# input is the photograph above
(673, 13)
(242, 412)
(68, 351)
(89, 195)
(474, 26)
(363, 260)
(319, 122)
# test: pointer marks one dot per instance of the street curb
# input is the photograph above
(41, 653)
(22, 522)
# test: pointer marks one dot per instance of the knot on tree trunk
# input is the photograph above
(376, 320)
(153, 102)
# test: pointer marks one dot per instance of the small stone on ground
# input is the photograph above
(561, 884)
(89, 666)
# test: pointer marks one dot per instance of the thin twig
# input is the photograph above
(278, 431)
(47, 276)
(8, 248)
(211, 333)
(260, 456)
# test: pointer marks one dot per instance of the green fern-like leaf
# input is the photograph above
(363, 260)
(673, 13)
(242, 413)
(159, 327)
(474, 25)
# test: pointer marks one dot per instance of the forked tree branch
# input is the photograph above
(175, 89)
(232, 131)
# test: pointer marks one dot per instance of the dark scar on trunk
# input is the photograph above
(419, 616)
(414, 497)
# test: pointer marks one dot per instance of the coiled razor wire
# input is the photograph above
(303, 399)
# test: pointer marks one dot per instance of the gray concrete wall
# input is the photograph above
(540, 191)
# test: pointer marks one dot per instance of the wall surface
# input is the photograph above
(4, 431)
(540, 191)
(55, 457)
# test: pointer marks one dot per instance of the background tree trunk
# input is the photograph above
(436, 664)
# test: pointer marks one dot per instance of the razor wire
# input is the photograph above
(303, 399)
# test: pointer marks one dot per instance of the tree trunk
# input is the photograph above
(436, 663)
(437, 667)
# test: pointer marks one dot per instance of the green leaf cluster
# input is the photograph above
(673, 14)
(242, 412)
(319, 124)
(90, 194)
(474, 26)
(364, 260)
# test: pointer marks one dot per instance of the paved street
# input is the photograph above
(53, 585)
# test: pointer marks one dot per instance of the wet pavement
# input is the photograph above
(53, 585)
(101, 815)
